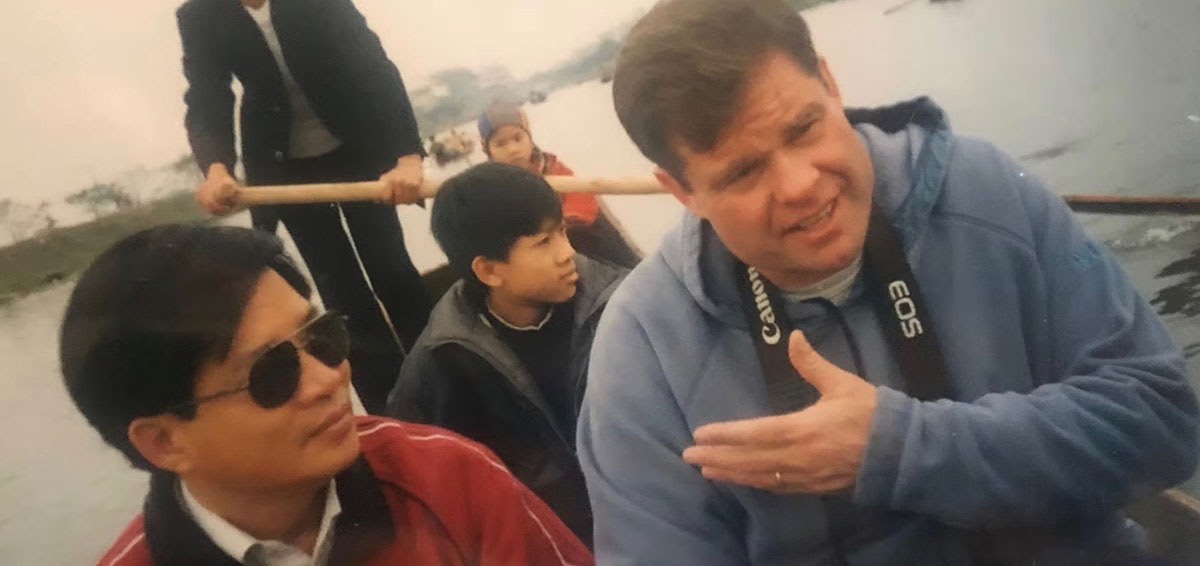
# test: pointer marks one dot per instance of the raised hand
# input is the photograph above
(817, 450)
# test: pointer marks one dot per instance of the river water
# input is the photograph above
(1093, 96)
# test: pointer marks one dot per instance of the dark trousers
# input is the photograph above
(330, 254)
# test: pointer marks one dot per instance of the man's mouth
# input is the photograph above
(815, 219)
(333, 419)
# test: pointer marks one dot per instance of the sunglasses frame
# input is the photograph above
(246, 386)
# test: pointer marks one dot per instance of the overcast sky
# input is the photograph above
(92, 88)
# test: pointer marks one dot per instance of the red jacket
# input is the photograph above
(418, 495)
(582, 208)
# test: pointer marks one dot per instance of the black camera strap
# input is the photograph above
(893, 291)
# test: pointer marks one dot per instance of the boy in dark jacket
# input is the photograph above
(195, 351)
(504, 358)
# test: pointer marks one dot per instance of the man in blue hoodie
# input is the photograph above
(978, 381)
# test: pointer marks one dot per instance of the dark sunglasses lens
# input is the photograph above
(327, 340)
(275, 375)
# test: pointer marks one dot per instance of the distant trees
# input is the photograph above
(805, 4)
(102, 198)
(22, 220)
(588, 63)
(184, 163)
(458, 95)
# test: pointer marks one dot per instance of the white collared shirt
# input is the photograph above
(538, 326)
(253, 552)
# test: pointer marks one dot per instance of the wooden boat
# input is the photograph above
(451, 147)
(1171, 517)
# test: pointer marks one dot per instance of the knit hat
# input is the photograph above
(498, 115)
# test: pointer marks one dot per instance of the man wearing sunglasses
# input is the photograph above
(195, 352)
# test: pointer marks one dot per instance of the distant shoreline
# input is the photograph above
(58, 254)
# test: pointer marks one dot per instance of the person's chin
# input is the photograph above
(839, 256)
(314, 466)
(340, 457)
(564, 295)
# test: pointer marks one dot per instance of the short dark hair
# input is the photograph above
(150, 310)
(682, 72)
(484, 210)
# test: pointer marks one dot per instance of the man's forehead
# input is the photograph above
(547, 225)
(752, 133)
(274, 310)
(777, 93)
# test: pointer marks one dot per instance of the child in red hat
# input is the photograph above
(505, 134)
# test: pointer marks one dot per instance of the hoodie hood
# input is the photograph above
(909, 144)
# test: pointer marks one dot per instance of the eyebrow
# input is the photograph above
(736, 169)
(803, 119)
(312, 313)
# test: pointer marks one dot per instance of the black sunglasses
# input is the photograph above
(275, 375)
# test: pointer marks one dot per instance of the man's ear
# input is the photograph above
(682, 193)
(828, 80)
(486, 271)
(160, 440)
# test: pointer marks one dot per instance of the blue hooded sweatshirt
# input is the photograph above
(1068, 395)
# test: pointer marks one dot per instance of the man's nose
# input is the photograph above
(566, 252)
(794, 177)
(318, 380)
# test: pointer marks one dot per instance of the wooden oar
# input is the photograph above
(374, 191)
(1105, 204)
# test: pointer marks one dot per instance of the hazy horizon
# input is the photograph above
(96, 88)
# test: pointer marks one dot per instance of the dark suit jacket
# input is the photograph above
(336, 59)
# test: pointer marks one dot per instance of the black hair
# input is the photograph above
(150, 310)
(484, 210)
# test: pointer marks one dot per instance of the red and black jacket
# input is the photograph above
(418, 495)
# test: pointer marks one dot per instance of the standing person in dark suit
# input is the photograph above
(321, 102)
